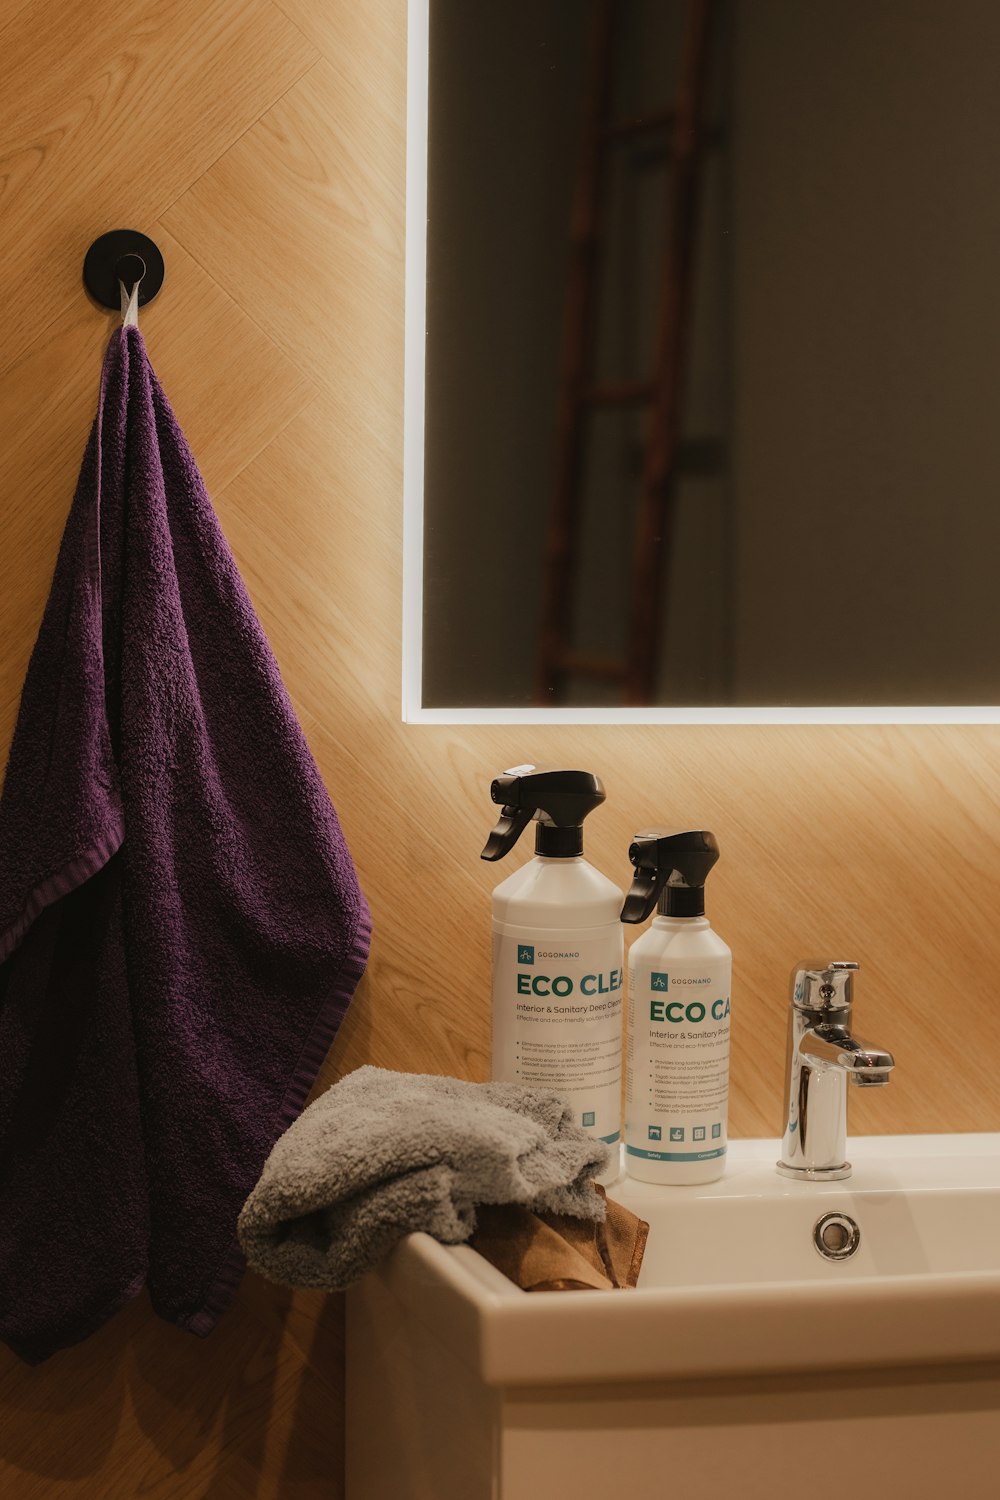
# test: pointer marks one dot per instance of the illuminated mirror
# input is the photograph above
(703, 346)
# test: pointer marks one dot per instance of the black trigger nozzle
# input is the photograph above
(513, 822)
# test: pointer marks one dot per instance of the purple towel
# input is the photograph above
(181, 927)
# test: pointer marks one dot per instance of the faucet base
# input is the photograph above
(813, 1174)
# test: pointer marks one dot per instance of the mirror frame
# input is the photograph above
(414, 710)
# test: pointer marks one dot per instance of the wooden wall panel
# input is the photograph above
(262, 145)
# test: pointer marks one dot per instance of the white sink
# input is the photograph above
(735, 1301)
(925, 1205)
(732, 1281)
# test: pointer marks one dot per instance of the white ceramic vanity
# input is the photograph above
(745, 1363)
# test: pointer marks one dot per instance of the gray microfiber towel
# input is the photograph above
(382, 1154)
(181, 925)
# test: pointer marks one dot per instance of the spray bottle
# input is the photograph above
(558, 953)
(678, 1015)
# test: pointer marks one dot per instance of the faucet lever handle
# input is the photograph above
(823, 986)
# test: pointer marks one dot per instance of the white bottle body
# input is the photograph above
(558, 980)
(678, 1053)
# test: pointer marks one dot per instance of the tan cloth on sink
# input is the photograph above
(555, 1253)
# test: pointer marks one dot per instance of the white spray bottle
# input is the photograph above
(558, 952)
(678, 1015)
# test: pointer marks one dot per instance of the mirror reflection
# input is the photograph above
(712, 336)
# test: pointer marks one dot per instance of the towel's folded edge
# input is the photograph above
(72, 875)
(223, 1288)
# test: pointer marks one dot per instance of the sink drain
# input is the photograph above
(836, 1236)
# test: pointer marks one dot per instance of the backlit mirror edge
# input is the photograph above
(414, 346)
(705, 716)
(415, 337)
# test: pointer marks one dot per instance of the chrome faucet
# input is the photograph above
(823, 1056)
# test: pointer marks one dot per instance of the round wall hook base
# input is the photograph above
(116, 256)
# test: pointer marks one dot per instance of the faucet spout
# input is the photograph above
(824, 1056)
(835, 1046)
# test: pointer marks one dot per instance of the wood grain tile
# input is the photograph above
(108, 127)
(231, 387)
(302, 223)
(366, 29)
(10, 10)
(322, 570)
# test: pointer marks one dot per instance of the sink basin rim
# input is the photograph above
(514, 1338)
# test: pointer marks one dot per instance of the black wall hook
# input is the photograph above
(122, 255)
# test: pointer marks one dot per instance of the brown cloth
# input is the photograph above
(557, 1253)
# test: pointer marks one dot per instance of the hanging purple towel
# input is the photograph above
(181, 927)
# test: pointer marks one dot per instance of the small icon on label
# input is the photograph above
(716, 1132)
(589, 1118)
(525, 953)
(698, 1133)
(656, 1132)
(676, 1132)
(658, 981)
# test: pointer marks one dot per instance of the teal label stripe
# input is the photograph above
(674, 1155)
(610, 1139)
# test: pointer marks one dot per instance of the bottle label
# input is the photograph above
(557, 1020)
(678, 1059)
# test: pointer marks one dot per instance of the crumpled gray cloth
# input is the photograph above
(381, 1154)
